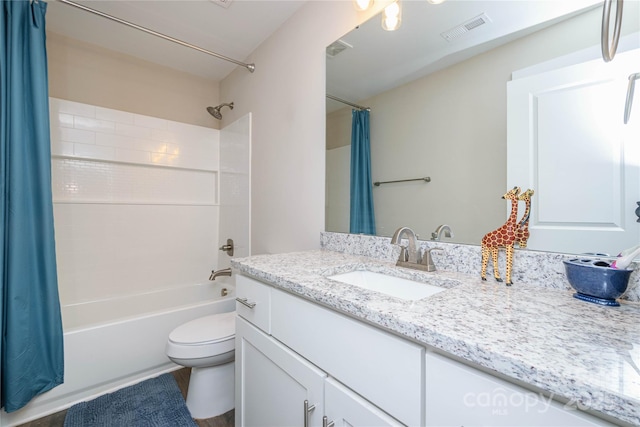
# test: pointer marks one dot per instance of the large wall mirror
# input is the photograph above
(437, 93)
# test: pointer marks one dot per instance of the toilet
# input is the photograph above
(207, 346)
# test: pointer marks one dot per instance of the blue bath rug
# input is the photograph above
(156, 402)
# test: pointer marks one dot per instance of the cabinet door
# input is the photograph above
(458, 395)
(272, 383)
(567, 140)
(345, 408)
(383, 368)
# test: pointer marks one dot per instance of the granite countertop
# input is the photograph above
(583, 352)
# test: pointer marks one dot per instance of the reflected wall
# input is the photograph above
(450, 125)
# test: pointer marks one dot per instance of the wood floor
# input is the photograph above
(182, 378)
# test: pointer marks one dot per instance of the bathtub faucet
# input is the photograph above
(223, 272)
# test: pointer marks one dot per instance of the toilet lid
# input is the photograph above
(217, 327)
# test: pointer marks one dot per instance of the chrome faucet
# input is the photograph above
(223, 272)
(444, 228)
(410, 254)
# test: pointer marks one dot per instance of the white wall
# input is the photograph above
(286, 96)
(337, 200)
(82, 72)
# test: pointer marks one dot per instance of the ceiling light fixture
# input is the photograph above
(362, 5)
(436, 1)
(392, 16)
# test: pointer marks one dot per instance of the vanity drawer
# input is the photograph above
(253, 302)
(383, 368)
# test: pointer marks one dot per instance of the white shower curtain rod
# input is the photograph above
(360, 107)
(250, 67)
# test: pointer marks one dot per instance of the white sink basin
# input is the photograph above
(389, 285)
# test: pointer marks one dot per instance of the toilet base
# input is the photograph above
(211, 391)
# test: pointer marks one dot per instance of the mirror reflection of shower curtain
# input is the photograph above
(362, 217)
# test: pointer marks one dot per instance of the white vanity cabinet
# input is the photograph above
(273, 380)
(290, 350)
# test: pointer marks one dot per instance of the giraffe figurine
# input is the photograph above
(503, 237)
(522, 231)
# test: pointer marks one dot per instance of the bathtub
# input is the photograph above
(112, 343)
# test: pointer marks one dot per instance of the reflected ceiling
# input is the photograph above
(504, 21)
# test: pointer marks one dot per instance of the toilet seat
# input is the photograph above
(203, 337)
(207, 329)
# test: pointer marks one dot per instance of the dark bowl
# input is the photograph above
(595, 281)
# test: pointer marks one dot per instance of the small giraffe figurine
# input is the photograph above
(522, 232)
(503, 237)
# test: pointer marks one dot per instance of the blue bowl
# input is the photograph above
(595, 281)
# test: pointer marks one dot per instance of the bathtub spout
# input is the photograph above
(223, 272)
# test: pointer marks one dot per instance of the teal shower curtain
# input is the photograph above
(362, 219)
(31, 348)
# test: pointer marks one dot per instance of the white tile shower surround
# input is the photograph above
(235, 191)
(136, 201)
(87, 180)
(109, 250)
(81, 130)
(531, 332)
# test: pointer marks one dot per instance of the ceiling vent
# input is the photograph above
(223, 3)
(464, 28)
(336, 47)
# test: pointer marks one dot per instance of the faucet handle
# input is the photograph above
(228, 248)
(427, 259)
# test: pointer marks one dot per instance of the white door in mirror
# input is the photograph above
(581, 106)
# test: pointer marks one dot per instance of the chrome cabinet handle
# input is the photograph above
(307, 411)
(244, 302)
(630, 90)
(326, 423)
(609, 49)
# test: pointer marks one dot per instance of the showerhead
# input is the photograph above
(215, 111)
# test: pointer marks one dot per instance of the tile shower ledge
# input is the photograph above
(543, 337)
